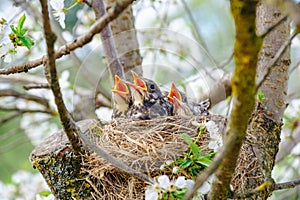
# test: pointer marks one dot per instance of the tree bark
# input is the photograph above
(126, 41)
(246, 48)
(60, 167)
(257, 157)
(109, 46)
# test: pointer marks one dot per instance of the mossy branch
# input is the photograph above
(246, 49)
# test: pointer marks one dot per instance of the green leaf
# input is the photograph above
(194, 172)
(204, 161)
(180, 194)
(193, 146)
(21, 23)
(12, 27)
(45, 193)
(186, 164)
(260, 96)
(27, 42)
(23, 31)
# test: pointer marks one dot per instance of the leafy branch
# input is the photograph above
(18, 37)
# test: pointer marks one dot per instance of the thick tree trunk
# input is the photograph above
(246, 49)
(126, 41)
(257, 156)
(60, 167)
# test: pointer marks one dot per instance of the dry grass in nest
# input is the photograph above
(143, 145)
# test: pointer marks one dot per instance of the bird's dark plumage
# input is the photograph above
(181, 109)
(147, 100)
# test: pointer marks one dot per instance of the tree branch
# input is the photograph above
(272, 187)
(287, 185)
(109, 46)
(286, 147)
(79, 42)
(21, 111)
(289, 7)
(37, 86)
(29, 97)
(271, 64)
(50, 65)
(271, 28)
(246, 49)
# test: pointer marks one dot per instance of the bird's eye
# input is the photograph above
(152, 87)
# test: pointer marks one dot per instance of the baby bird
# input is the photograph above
(174, 92)
(121, 98)
(181, 109)
(196, 108)
(147, 100)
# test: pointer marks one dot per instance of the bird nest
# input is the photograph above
(145, 146)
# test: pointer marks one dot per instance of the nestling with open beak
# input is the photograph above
(147, 100)
(121, 98)
(174, 92)
(196, 108)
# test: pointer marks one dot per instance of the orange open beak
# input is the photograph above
(174, 93)
(120, 87)
(139, 82)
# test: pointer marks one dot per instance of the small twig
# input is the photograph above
(118, 164)
(294, 67)
(272, 62)
(225, 62)
(199, 38)
(68, 124)
(23, 78)
(9, 117)
(269, 29)
(29, 97)
(21, 111)
(272, 187)
(287, 185)
(87, 3)
(37, 86)
(79, 42)
(286, 146)
(10, 133)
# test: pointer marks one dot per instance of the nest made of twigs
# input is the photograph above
(143, 145)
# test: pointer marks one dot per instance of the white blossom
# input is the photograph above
(7, 51)
(164, 182)
(189, 184)
(175, 170)
(164, 185)
(151, 194)
(205, 188)
(216, 140)
(180, 182)
(211, 127)
(59, 13)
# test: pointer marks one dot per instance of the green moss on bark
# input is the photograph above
(246, 49)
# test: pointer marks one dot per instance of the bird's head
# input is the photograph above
(137, 94)
(174, 92)
(180, 108)
(146, 87)
(121, 94)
